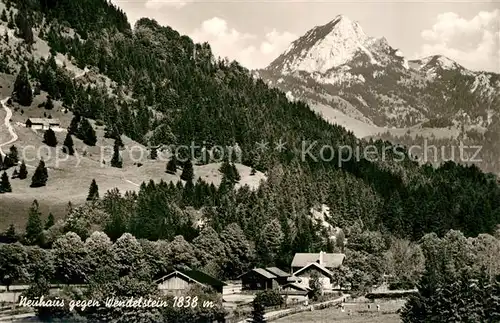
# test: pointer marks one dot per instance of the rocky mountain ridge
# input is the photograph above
(337, 66)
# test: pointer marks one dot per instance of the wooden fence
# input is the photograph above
(280, 313)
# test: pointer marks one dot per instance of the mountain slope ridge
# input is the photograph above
(370, 88)
(326, 47)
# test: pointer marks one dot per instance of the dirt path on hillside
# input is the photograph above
(9, 127)
(15, 137)
(8, 116)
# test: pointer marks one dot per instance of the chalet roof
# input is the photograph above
(296, 286)
(43, 121)
(261, 272)
(330, 260)
(296, 289)
(277, 272)
(264, 273)
(317, 266)
(196, 276)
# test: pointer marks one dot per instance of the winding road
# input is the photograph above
(8, 116)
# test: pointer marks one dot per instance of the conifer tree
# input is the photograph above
(10, 234)
(154, 153)
(34, 227)
(40, 176)
(74, 125)
(1, 162)
(235, 173)
(68, 146)
(5, 184)
(188, 193)
(172, 165)
(4, 17)
(257, 313)
(69, 208)
(11, 24)
(116, 161)
(50, 221)
(12, 158)
(86, 132)
(15, 174)
(493, 305)
(24, 27)
(23, 171)
(49, 105)
(13, 154)
(225, 168)
(93, 191)
(119, 141)
(229, 172)
(187, 171)
(22, 89)
(49, 138)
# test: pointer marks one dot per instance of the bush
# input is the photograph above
(401, 284)
(270, 298)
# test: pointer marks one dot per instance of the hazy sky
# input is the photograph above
(256, 32)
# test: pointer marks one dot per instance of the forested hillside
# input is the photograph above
(169, 90)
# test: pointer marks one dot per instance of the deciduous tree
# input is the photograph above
(240, 253)
(69, 259)
(13, 258)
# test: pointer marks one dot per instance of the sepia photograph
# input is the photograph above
(250, 161)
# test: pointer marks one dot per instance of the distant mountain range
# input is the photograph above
(366, 85)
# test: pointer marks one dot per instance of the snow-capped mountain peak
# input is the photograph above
(364, 83)
(325, 47)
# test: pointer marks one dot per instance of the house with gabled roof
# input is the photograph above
(307, 265)
(328, 260)
(295, 293)
(295, 289)
(266, 278)
(178, 281)
(282, 277)
(42, 123)
(258, 279)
